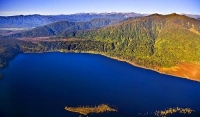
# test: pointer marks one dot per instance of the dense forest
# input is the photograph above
(9, 48)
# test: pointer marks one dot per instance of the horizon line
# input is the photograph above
(143, 13)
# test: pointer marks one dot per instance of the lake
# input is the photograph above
(42, 84)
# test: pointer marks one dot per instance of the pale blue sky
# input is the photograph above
(47, 7)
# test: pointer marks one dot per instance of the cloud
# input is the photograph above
(11, 13)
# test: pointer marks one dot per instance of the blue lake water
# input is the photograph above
(41, 85)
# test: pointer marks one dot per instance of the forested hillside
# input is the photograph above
(152, 41)
(9, 48)
(63, 28)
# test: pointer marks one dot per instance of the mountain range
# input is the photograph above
(31, 21)
(64, 28)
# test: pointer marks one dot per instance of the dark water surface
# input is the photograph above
(41, 85)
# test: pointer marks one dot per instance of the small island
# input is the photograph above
(87, 110)
(170, 111)
(1, 76)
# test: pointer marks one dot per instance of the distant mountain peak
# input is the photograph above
(156, 14)
(174, 14)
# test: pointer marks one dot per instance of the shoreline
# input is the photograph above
(135, 65)
(118, 59)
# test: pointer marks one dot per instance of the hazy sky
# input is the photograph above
(17, 7)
